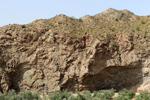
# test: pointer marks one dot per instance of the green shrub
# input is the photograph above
(144, 95)
(25, 95)
(45, 97)
(112, 29)
(23, 26)
(116, 19)
(125, 95)
(133, 30)
(104, 94)
(86, 95)
(146, 31)
(28, 95)
(97, 95)
(62, 95)
(59, 22)
(80, 20)
(10, 95)
(137, 28)
(142, 21)
(122, 98)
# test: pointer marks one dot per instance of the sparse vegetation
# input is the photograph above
(98, 27)
(137, 28)
(116, 19)
(59, 22)
(146, 31)
(133, 30)
(142, 21)
(23, 26)
(112, 29)
(85, 95)
(80, 20)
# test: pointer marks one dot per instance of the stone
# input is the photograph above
(63, 53)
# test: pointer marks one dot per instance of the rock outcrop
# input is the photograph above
(46, 56)
(117, 14)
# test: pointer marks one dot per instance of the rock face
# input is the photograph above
(117, 14)
(42, 58)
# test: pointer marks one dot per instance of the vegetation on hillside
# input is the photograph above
(104, 26)
(85, 95)
(101, 26)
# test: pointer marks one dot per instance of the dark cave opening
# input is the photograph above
(117, 77)
(13, 81)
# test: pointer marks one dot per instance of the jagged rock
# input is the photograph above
(113, 14)
(64, 53)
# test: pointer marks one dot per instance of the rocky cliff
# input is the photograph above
(107, 50)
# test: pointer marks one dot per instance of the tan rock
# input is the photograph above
(65, 53)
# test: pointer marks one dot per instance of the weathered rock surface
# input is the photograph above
(117, 14)
(44, 59)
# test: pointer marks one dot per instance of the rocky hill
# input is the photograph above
(108, 50)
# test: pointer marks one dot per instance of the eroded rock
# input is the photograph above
(41, 57)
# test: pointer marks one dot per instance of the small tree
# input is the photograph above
(80, 20)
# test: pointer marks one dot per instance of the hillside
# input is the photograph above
(107, 50)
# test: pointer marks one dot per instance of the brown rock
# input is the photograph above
(63, 53)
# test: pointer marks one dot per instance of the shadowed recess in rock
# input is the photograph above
(107, 50)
